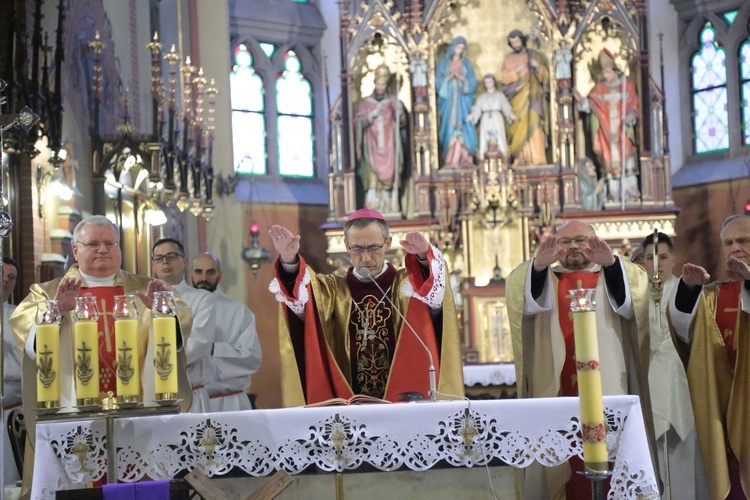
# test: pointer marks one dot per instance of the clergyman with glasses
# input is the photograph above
(96, 249)
(538, 298)
(340, 336)
(169, 264)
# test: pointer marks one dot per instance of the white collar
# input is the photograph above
(96, 281)
(362, 278)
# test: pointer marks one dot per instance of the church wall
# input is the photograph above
(306, 221)
(330, 49)
(663, 20)
(703, 210)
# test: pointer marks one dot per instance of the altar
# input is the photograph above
(394, 437)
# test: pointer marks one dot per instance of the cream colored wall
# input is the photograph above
(663, 20)
(225, 234)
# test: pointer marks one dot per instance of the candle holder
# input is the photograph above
(165, 348)
(593, 426)
(128, 357)
(47, 321)
(86, 317)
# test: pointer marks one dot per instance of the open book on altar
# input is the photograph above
(357, 399)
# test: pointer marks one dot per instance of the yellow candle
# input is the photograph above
(165, 357)
(87, 362)
(590, 391)
(48, 365)
(128, 362)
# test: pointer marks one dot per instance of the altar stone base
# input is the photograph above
(435, 484)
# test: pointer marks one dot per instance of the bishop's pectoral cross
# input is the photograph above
(366, 322)
(365, 332)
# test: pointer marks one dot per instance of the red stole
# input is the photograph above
(566, 283)
(105, 301)
(728, 315)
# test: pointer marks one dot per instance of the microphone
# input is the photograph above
(365, 273)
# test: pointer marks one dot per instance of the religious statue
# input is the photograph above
(418, 69)
(488, 111)
(455, 83)
(525, 77)
(590, 186)
(613, 108)
(563, 58)
(379, 144)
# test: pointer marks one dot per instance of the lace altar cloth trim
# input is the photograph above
(387, 437)
(495, 374)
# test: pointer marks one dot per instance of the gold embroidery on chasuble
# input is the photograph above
(372, 345)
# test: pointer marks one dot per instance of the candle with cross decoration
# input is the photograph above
(593, 426)
(86, 332)
(165, 346)
(126, 340)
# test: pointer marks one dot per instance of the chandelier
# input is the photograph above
(177, 154)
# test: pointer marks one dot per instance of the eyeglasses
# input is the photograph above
(371, 249)
(168, 257)
(95, 245)
(566, 242)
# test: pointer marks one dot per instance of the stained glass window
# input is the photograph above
(295, 120)
(745, 85)
(248, 115)
(709, 88)
(730, 16)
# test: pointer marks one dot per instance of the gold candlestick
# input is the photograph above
(48, 356)
(165, 346)
(593, 427)
(128, 359)
(86, 332)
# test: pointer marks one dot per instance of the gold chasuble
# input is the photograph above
(316, 362)
(721, 398)
(22, 320)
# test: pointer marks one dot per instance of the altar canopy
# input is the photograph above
(414, 436)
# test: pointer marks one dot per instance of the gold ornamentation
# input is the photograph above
(109, 402)
(44, 368)
(80, 449)
(209, 441)
(161, 361)
(337, 436)
(84, 372)
(125, 368)
(468, 431)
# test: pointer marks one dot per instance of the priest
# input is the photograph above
(541, 324)
(342, 336)
(96, 249)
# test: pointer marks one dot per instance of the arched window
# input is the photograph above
(745, 86)
(709, 89)
(295, 120)
(248, 115)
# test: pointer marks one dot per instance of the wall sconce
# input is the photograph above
(153, 215)
(51, 184)
(255, 255)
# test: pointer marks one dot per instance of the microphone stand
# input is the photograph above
(433, 384)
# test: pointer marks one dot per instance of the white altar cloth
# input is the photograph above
(387, 437)
(490, 374)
